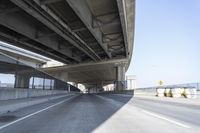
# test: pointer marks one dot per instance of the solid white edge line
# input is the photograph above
(166, 119)
(20, 119)
(149, 113)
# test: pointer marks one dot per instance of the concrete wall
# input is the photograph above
(13, 105)
(145, 91)
(125, 92)
(6, 94)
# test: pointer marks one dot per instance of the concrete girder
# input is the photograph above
(55, 24)
(12, 39)
(99, 23)
(81, 9)
(59, 20)
(45, 35)
(116, 63)
(115, 47)
(39, 34)
(109, 14)
(9, 10)
(88, 49)
(104, 71)
(112, 37)
(79, 29)
(111, 40)
(112, 34)
(43, 2)
(20, 25)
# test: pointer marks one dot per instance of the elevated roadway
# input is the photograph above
(26, 57)
(74, 32)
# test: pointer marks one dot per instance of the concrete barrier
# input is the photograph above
(124, 92)
(11, 93)
(150, 92)
(10, 105)
(182, 91)
(160, 92)
(176, 92)
(190, 93)
(198, 93)
(167, 92)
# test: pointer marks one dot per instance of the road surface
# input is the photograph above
(103, 113)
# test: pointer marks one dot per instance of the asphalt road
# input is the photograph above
(103, 113)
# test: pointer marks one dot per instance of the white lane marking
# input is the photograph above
(20, 119)
(145, 111)
(166, 119)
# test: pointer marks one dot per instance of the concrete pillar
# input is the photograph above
(51, 86)
(22, 81)
(131, 84)
(69, 88)
(120, 76)
(33, 82)
(131, 81)
(44, 83)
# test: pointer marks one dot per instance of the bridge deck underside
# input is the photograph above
(89, 74)
(71, 31)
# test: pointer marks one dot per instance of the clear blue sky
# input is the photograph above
(167, 42)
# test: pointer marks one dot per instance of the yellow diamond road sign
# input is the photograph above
(160, 82)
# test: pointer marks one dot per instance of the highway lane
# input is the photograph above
(187, 113)
(91, 113)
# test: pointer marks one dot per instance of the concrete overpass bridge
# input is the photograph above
(93, 38)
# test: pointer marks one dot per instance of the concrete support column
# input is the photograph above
(131, 81)
(22, 81)
(69, 88)
(96, 88)
(51, 86)
(131, 84)
(33, 82)
(120, 76)
(44, 83)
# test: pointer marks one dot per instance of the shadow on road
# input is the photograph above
(88, 111)
(82, 114)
